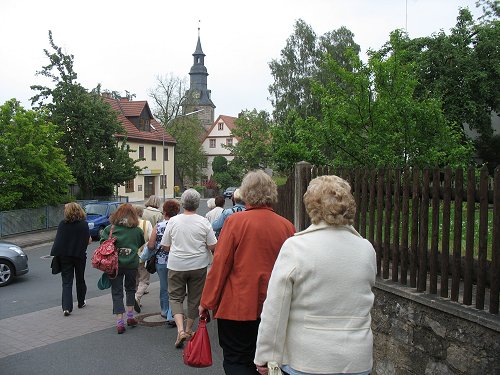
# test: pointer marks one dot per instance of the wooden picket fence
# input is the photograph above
(435, 230)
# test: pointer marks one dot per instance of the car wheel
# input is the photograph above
(6, 272)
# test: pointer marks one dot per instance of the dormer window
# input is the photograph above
(221, 126)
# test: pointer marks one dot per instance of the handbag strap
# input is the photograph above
(111, 231)
(144, 229)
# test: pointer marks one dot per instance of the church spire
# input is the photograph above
(198, 94)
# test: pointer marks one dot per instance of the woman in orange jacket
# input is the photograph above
(236, 285)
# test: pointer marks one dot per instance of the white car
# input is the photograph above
(13, 262)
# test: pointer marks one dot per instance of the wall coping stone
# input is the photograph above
(469, 313)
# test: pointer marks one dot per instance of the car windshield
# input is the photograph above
(95, 209)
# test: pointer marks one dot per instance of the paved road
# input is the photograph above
(36, 338)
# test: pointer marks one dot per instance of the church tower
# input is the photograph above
(198, 96)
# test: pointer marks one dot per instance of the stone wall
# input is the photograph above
(421, 334)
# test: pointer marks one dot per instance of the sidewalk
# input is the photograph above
(86, 342)
(33, 340)
(24, 240)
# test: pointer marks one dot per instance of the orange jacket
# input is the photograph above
(248, 246)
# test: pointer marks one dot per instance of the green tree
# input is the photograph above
(96, 158)
(253, 131)
(293, 72)
(225, 174)
(299, 66)
(33, 171)
(219, 164)
(462, 70)
(189, 155)
(371, 116)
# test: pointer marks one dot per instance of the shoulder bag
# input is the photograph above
(151, 264)
(105, 257)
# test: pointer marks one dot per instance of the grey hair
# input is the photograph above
(237, 196)
(153, 201)
(211, 203)
(258, 189)
(190, 200)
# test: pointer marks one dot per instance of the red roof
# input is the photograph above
(127, 109)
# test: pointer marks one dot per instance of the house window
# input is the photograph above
(212, 143)
(129, 186)
(221, 126)
(229, 141)
(165, 153)
(141, 152)
(153, 153)
(163, 181)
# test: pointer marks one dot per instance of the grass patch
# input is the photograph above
(440, 230)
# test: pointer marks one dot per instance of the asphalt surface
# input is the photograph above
(36, 338)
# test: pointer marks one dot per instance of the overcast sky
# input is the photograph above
(124, 45)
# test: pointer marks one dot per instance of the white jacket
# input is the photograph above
(316, 317)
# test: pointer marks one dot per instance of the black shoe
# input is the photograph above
(137, 307)
(82, 305)
(66, 312)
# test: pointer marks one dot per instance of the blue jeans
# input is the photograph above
(162, 271)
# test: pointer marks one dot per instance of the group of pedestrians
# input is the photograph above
(297, 303)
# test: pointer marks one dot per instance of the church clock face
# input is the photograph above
(196, 94)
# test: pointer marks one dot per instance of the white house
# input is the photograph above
(146, 137)
(218, 136)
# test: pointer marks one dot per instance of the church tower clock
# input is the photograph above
(198, 96)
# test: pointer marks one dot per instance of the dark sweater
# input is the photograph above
(71, 239)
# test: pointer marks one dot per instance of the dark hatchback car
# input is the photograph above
(13, 262)
(228, 193)
(98, 216)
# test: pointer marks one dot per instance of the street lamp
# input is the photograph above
(164, 177)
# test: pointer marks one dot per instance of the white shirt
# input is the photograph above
(214, 214)
(188, 237)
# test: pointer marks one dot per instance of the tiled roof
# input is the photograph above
(228, 120)
(134, 109)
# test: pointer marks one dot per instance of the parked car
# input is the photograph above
(13, 262)
(228, 193)
(98, 216)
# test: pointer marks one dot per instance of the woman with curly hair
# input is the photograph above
(70, 248)
(236, 285)
(316, 318)
(129, 238)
